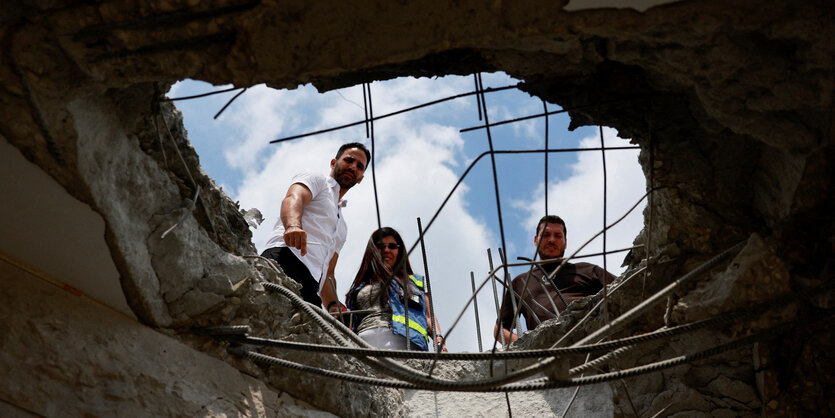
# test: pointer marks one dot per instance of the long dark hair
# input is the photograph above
(374, 270)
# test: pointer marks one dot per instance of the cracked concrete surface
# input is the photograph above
(732, 100)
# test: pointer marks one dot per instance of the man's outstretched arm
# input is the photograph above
(298, 196)
(500, 332)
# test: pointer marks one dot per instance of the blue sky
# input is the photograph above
(419, 157)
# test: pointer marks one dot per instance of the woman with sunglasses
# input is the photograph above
(386, 285)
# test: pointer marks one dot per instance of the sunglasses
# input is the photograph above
(390, 246)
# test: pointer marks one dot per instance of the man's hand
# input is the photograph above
(328, 292)
(509, 336)
(296, 237)
(335, 309)
(440, 341)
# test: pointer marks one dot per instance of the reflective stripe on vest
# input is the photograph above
(417, 282)
(412, 324)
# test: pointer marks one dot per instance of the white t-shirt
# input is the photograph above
(322, 220)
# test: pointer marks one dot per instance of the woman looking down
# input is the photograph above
(379, 287)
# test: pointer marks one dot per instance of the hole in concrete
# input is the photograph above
(419, 157)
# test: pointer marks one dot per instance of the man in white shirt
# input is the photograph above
(311, 230)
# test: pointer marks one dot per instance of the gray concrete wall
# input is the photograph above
(67, 355)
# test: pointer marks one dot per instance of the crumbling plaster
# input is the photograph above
(731, 103)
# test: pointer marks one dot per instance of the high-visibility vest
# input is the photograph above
(418, 334)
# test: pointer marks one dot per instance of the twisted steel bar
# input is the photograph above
(573, 397)
(545, 112)
(197, 96)
(599, 303)
(555, 313)
(648, 250)
(588, 365)
(541, 384)
(495, 297)
(605, 202)
(490, 385)
(241, 330)
(370, 126)
(475, 308)
(168, 19)
(176, 148)
(433, 329)
(477, 96)
(727, 318)
(227, 37)
(331, 325)
(633, 313)
(365, 110)
(387, 115)
(539, 115)
(159, 137)
(229, 102)
(495, 179)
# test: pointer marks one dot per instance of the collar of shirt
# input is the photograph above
(334, 185)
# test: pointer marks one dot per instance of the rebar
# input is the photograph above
(722, 320)
(475, 309)
(431, 307)
(588, 314)
(539, 115)
(545, 112)
(408, 109)
(605, 222)
(496, 385)
(495, 177)
(513, 294)
(197, 96)
(185, 214)
(229, 103)
(496, 301)
(180, 44)
(369, 128)
(648, 250)
(170, 19)
(657, 297)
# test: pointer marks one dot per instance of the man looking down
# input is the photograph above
(574, 281)
(311, 230)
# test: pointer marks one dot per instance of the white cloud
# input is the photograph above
(578, 199)
(258, 116)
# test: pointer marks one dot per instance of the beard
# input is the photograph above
(552, 252)
(344, 179)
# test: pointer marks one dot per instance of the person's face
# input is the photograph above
(389, 249)
(349, 168)
(553, 244)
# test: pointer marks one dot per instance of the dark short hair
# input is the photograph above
(551, 219)
(354, 145)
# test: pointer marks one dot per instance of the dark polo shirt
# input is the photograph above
(574, 281)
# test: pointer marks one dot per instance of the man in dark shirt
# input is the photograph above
(540, 300)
